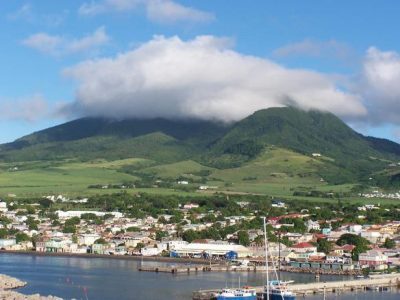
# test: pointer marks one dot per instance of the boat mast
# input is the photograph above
(266, 255)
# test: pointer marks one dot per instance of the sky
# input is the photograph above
(210, 59)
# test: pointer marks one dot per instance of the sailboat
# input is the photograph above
(274, 289)
(245, 293)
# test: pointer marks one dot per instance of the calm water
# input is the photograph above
(70, 277)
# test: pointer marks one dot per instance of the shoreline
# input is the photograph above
(183, 261)
(196, 261)
(9, 284)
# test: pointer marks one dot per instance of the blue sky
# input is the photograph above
(208, 59)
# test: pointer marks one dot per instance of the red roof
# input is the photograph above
(303, 245)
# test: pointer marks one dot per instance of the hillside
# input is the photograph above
(272, 147)
(306, 133)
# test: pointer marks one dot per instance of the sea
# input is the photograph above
(109, 279)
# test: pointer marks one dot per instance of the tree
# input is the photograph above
(352, 239)
(3, 233)
(32, 223)
(190, 235)
(72, 221)
(243, 238)
(160, 234)
(139, 246)
(100, 241)
(69, 229)
(389, 243)
(324, 246)
(22, 237)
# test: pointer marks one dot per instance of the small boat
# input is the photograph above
(237, 294)
(278, 290)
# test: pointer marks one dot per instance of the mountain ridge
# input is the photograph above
(214, 144)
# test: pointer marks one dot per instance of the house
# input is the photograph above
(150, 251)
(88, 238)
(303, 248)
(3, 206)
(190, 206)
(372, 258)
(313, 225)
(7, 243)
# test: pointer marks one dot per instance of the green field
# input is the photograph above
(276, 172)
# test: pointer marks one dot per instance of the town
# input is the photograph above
(336, 238)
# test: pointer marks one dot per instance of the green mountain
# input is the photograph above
(91, 138)
(272, 143)
(307, 133)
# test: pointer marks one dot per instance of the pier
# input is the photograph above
(374, 283)
(201, 268)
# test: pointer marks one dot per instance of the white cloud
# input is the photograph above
(163, 11)
(26, 13)
(159, 11)
(202, 78)
(30, 109)
(379, 85)
(315, 48)
(59, 45)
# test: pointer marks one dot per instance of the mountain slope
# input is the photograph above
(346, 156)
(88, 138)
(306, 133)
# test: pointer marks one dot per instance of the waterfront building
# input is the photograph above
(372, 258)
(211, 249)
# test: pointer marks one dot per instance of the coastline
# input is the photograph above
(184, 261)
(120, 257)
(8, 284)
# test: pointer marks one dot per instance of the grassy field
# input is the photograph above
(276, 173)
(186, 168)
(65, 178)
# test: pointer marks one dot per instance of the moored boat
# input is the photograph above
(237, 294)
(278, 290)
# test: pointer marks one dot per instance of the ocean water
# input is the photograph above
(98, 278)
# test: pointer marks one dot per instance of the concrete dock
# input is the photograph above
(375, 283)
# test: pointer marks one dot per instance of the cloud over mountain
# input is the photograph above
(202, 78)
(380, 86)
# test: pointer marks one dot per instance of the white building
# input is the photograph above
(3, 206)
(88, 238)
(151, 251)
(211, 249)
(313, 225)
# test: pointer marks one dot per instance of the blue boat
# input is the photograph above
(237, 294)
(278, 290)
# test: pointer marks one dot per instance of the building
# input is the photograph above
(304, 248)
(88, 238)
(372, 258)
(3, 206)
(6, 243)
(313, 225)
(210, 249)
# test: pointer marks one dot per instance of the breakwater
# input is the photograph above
(338, 287)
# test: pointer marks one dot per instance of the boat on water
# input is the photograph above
(237, 294)
(278, 290)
